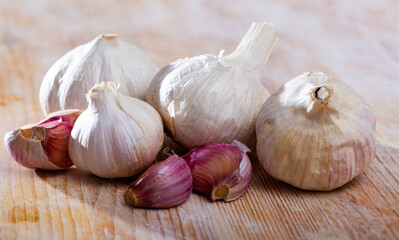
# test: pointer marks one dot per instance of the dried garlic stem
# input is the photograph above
(256, 46)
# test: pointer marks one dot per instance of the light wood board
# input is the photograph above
(357, 41)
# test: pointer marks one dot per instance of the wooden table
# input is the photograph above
(357, 41)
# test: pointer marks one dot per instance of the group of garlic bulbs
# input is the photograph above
(314, 133)
(115, 135)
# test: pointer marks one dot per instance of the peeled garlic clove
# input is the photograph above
(116, 136)
(315, 133)
(215, 99)
(165, 184)
(106, 58)
(220, 171)
(43, 145)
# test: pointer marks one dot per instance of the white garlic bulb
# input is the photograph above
(106, 58)
(116, 136)
(215, 99)
(315, 133)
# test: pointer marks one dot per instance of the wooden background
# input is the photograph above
(357, 41)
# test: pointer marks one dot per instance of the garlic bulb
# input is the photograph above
(215, 99)
(43, 145)
(220, 171)
(315, 133)
(116, 136)
(106, 58)
(163, 185)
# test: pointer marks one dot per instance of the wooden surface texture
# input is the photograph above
(356, 41)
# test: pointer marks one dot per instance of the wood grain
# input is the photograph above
(356, 41)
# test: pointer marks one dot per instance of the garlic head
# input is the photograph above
(106, 58)
(116, 136)
(315, 133)
(215, 99)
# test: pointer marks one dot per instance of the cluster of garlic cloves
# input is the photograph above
(116, 136)
(220, 171)
(315, 133)
(163, 185)
(43, 145)
(215, 99)
(106, 58)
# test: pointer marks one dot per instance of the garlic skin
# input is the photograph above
(215, 99)
(116, 136)
(220, 171)
(315, 133)
(170, 146)
(163, 185)
(106, 58)
(43, 145)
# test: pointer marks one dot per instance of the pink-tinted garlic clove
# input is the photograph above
(43, 145)
(163, 185)
(220, 171)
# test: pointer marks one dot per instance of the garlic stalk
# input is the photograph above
(220, 171)
(163, 185)
(43, 145)
(106, 58)
(315, 133)
(215, 99)
(116, 136)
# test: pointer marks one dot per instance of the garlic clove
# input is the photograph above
(238, 182)
(43, 145)
(116, 136)
(220, 171)
(163, 185)
(215, 99)
(106, 58)
(315, 133)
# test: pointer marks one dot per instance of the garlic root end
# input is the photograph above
(220, 192)
(130, 198)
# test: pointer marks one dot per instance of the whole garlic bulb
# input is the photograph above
(116, 136)
(215, 99)
(315, 133)
(106, 58)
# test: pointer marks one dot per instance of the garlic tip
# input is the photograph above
(108, 36)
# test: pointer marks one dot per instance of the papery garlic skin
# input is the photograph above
(163, 185)
(215, 99)
(315, 133)
(106, 58)
(170, 146)
(116, 136)
(43, 145)
(220, 171)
